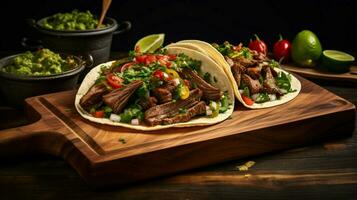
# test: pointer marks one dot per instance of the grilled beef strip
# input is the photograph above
(93, 96)
(245, 61)
(118, 98)
(162, 109)
(159, 119)
(254, 72)
(229, 61)
(209, 92)
(253, 85)
(148, 103)
(164, 93)
(269, 82)
(238, 70)
(198, 109)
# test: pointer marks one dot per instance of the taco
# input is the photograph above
(257, 81)
(174, 87)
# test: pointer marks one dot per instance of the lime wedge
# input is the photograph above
(338, 55)
(150, 43)
(336, 61)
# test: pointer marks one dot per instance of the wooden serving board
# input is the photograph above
(350, 76)
(97, 152)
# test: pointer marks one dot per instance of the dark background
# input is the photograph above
(334, 21)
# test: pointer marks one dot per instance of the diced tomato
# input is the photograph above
(98, 114)
(159, 74)
(150, 59)
(172, 57)
(141, 58)
(187, 82)
(247, 100)
(114, 81)
(162, 57)
(165, 63)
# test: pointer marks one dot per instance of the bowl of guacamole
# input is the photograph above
(36, 73)
(75, 32)
(72, 21)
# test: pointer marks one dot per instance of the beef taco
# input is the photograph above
(174, 87)
(257, 81)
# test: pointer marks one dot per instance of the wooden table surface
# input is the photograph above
(324, 170)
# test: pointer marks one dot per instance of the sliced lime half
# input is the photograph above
(150, 43)
(336, 61)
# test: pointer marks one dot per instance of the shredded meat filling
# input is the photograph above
(93, 96)
(209, 92)
(118, 98)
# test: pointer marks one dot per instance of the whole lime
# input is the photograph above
(306, 49)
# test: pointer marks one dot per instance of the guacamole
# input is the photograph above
(40, 63)
(74, 20)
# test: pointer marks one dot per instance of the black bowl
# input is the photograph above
(94, 43)
(14, 89)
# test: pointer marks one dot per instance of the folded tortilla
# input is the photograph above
(208, 65)
(221, 61)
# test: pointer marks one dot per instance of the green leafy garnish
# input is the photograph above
(262, 97)
(283, 81)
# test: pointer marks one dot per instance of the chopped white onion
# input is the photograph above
(283, 91)
(272, 97)
(209, 112)
(135, 121)
(214, 105)
(255, 96)
(176, 81)
(115, 117)
(207, 108)
(240, 91)
(166, 75)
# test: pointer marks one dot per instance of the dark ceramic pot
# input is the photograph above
(87, 43)
(15, 88)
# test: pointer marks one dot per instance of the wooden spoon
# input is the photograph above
(105, 7)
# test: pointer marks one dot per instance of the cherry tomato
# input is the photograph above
(159, 74)
(258, 45)
(98, 114)
(114, 81)
(282, 49)
(247, 100)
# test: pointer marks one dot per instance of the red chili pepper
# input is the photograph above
(114, 81)
(258, 45)
(98, 114)
(247, 100)
(282, 49)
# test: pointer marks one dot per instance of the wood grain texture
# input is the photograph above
(317, 74)
(96, 153)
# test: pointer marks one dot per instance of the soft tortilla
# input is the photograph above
(208, 65)
(221, 61)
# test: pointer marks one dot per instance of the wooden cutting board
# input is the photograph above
(103, 155)
(350, 76)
